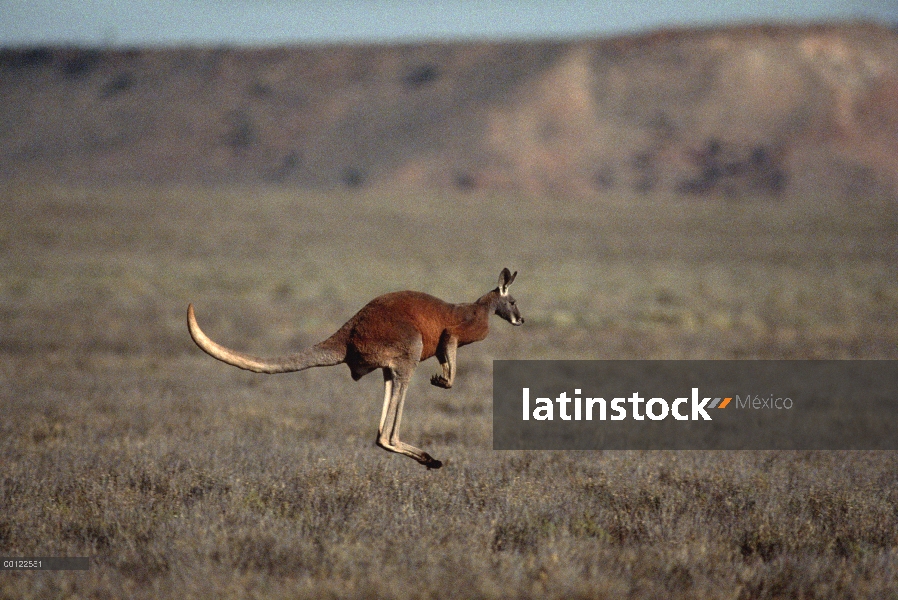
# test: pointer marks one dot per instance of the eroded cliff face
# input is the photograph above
(744, 111)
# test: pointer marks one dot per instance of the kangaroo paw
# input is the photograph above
(440, 381)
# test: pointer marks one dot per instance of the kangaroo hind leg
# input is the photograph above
(395, 387)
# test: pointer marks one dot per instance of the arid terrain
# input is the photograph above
(652, 209)
(734, 111)
(180, 475)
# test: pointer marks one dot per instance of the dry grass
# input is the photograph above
(121, 441)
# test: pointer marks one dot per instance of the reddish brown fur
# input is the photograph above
(385, 328)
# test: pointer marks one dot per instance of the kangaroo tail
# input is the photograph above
(318, 355)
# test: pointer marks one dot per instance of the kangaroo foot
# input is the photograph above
(430, 462)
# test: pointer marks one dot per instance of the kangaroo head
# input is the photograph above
(506, 306)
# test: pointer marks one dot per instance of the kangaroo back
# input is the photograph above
(391, 323)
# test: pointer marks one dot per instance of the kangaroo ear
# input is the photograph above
(505, 279)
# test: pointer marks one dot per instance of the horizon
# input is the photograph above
(104, 23)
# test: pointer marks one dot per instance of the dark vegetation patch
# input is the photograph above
(352, 177)
(240, 131)
(421, 76)
(78, 64)
(118, 84)
(733, 169)
(26, 58)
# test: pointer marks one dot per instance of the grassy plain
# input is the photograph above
(120, 440)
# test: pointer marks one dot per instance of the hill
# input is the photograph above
(733, 111)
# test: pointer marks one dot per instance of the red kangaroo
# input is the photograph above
(393, 332)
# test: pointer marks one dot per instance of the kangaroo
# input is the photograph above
(393, 332)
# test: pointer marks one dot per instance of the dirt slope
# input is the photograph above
(752, 110)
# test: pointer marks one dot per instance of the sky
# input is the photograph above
(269, 22)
